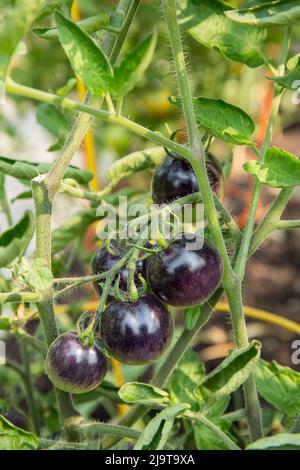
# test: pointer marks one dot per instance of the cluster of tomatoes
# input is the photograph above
(140, 331)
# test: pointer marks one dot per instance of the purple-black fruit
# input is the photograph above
(136, 332)
(183, 274)
(73, 367)
(103, 261)
(175, 178)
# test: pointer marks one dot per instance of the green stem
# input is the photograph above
(108, 429)
(43, 209)
(230, 282)
(20, 297)
(288, 224)
(271, 219)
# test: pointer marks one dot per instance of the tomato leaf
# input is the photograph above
(229, 375)
(13, 438)
(88, 25)
(144, 394)
(134, 162)
(156, 433)
(88, 60)
(206, 22)
(14, 241)
(206, 439)
(185, 378)
(291, 80)
(276, 13)
(50, 117)
(283, 441)
(279, 386)
(133, 66)
(24, 170)
(279, 170)
(222, 120)
(39, 277)
(14, 26)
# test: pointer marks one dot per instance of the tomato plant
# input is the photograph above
(147, 263)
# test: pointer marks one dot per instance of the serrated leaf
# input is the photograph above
(88, 60)
(156, 433)
(276, 13)
(206, 22)
(14, 26)
(133, 67)
(14, 241)
(185, 378)
(144, 394)
(191, 316)
(25, 170)
(222, 120)
(283, 441)
(280, 169)
(39, 277)
(291, 80)
(13, 438)
(229, 375)
(134, 162)
(279, 386)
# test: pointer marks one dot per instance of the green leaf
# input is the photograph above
(88, 61)
(222, 120)
(134, 162)
(25, 170)
(13, 27)
(156, 433)
(279, 386)
(15, 240)
(191, 316)
(73, 229)
(185, 378)
(229, 375)
(5, 323)
(144, 394)
(279, 170)
(13, 438)
(39, 277)
(276, 13)
(206, 439)
(88, 25)
(291, 80)
(133, 67)
(50, 117)
(206, 22)
(284, 441)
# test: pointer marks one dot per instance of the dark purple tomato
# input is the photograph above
(73, 367)
(103, 261)
(136, 332)
(184, 274)
(175, 178)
